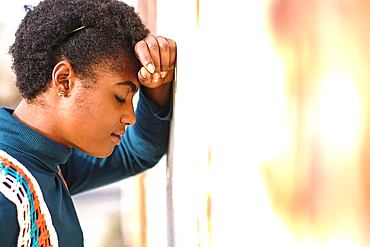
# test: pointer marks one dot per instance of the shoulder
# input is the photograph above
(22, 208)
(8, 209)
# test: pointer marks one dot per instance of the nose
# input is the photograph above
(128, 117)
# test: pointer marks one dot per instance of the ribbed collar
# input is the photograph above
(19, 136)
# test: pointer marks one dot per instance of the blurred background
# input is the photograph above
(270, 134)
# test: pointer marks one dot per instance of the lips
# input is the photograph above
(116, 136)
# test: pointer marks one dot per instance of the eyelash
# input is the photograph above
(120, 100)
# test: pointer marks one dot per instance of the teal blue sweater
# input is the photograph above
(61, 172)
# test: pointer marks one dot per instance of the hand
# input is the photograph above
(157, 56)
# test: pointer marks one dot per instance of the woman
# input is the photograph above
(78, 65)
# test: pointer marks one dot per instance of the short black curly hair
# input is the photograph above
(46, 36)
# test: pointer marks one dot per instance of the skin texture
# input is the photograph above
(92, 118)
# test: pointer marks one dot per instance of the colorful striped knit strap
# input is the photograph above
(19, 186)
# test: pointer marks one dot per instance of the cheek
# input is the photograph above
(89, 118)
(94, 120)
(89, 104)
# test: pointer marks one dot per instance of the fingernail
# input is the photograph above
(155, 77)
(163, 74)
(142, 71)
(150, 68)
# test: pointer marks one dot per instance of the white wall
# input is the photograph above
(229, 91)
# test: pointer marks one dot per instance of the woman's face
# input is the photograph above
(98, 115)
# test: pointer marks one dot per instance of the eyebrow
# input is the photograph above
(128, 83)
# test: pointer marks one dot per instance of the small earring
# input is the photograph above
(61, 94)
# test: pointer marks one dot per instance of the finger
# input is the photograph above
(145, 77)
(170, 75)
(173, 52)
(153, 47)
(143, 54)
(164, 51)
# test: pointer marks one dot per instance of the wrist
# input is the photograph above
(160, 95)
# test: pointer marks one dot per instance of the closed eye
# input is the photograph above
(120, 100)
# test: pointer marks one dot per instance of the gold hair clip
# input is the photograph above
(77, 29)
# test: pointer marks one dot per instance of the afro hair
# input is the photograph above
(87, 33)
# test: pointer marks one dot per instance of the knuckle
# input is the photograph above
(173, 45)
(153, 46)
(149, 36)
(140, 44)
(145, 61)
(163, 44)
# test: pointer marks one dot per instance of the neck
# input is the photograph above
(40, 118)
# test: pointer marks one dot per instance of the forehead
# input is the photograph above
(125, 77)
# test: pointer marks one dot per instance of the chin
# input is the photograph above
(99, 153)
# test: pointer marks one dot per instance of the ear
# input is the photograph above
(63, 78)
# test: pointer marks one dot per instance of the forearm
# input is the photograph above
(160, 95)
